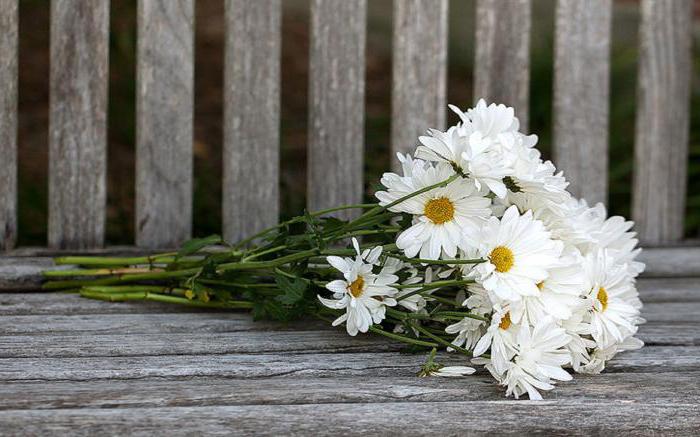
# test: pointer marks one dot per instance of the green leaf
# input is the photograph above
(196, 244)
(293, 290)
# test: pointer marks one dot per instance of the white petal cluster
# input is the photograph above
(556, 285)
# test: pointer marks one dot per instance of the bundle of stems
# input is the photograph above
(277, 273)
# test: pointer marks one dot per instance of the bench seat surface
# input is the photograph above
(75, 365)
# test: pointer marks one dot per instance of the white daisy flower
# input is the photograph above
(440, 215)
(500, 338)
(559, 294)
(414, 303)
(491, 120)
(541, 355)
(579, 331)
(519, 253)
(363, 294)
(614, 299)
(601, 356)
(468, 331)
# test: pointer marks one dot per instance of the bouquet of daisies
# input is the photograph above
(476, 248)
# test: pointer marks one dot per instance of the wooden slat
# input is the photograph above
(663, 114)
(581, 93)
(251, 117)
(164, 126)
(664, 331)
(8, 123)
(668, 387)
(337, 104)
(78, 123)
(418, 100)
(662, 359)
(391, 418)
(502, 68)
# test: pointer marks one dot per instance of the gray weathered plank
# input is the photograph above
(671, 261)
(659, 359)
(393, 418)
(502, 66)
(251, 117)
(164, 122)
(78, 123)
(419, 92)
(8, 123)
(663, 114)
(145, 323)
(145, 393)
(336, 104)
(193, 342)
(669, 289)
(581, 95)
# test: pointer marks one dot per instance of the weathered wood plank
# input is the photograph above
(663, 117)
(78, 123)
(418, 99)
(678, 387)
(502, 66)
(395, 418)
(255, 339)
(8, 123)
(671, 262)
(337, 104)
(164, 122)
(581, 95)
(147, 323)
(251, 117)
(650, 359)
(191, 343)
(669, 289)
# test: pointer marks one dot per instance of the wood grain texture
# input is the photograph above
(581, 95)
(668, 332)
(394, 418)
(203, 391)
(8, 123)
(164, 122)
(419, 89)
(502, 65)
(78, 123)
(662, 359)
(251, 117)
(663, 114)
(337, 104)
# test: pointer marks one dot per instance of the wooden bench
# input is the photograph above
(79, 366)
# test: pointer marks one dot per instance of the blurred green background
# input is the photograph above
(33, 106)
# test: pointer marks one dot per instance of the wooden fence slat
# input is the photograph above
(418, 100)
(164, 127)
(502, 66)
(251, 117)
(581, 93)
(8, 123)
(78, 122)
(663, 116)
(336, 96)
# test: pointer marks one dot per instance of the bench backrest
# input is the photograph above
(165, 83)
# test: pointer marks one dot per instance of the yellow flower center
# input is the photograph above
(603, 298)
(357, 286)
(505, 321)
(439, 210)
(502, 258)
(540, 285)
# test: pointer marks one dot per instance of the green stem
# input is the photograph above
(300, 219)
(432, 286)
(254, 265)
(402, 338)
(57, 285)
(115, 261)
(437, 261)
(442, 341)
